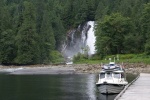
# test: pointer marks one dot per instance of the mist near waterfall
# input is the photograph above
(80, 40)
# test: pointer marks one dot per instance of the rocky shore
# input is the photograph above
(70, 69)
(137, 67)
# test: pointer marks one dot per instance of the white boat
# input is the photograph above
(112, 79)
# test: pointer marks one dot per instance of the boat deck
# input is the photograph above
(139, 90)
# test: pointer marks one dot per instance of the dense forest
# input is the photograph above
(32, 31)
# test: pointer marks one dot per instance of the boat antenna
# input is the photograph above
(114, 59)
(117, 57)
(109, 59)
(101, 64)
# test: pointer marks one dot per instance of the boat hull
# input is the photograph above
(110, 88)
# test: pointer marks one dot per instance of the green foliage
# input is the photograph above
(145, 20)
(81, 15)
(59, 32)
(30, 30)
(132, 44)
(145, 27)
(130, 58)
(47, 38)
(85, 51)
(127, 56)
(111, 33)
(7, 51)
(78, 57)
(123, 58)
(27, 37)
(147, 47)
(56, 57)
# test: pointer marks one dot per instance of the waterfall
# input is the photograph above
(78, 39)
(90, 42)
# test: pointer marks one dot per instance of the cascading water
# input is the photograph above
(90, 42)
(80, 40)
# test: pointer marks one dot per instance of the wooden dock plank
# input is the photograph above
(139, 90)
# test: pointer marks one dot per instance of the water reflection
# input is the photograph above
(91, 89)
(50, 87)
(81, 87)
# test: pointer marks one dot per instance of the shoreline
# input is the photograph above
(51, 69)
(69, 69)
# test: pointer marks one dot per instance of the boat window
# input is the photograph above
(111, 64)
(109, 75)
(116, 75)
(102, 75)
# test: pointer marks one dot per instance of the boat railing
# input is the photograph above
(112, 67)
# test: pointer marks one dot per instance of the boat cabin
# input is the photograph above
(112, 76)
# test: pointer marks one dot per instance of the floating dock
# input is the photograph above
(138, 90)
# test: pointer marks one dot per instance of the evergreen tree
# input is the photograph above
(40, 8)
(1, 27)
(47, 38)
(92, 5)
(59, 32)
(22, 22)
(57, 23)
(132, 44)
(81, 13)
(7, 47)
(27, 38)
(145, 26)
(5, 19)
(18, 17)
(145, 21)
(67, 17)
(102, 9)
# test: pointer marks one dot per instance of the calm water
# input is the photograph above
(50, 87)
